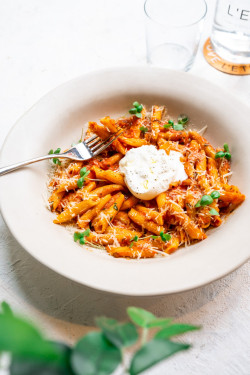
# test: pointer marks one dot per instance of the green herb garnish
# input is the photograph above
(166, 126)
(55, 160)
(143, 129)
(215, 194)
(224, 154)
(115, 206)
(154, 237)
(136, 110)
(139, 108)
(165, 236)
(183, 119)
(178, 127)
(213, 212)
(80, 236)
(83, 173)
(134, 239)
(133, 111)
(206, 200)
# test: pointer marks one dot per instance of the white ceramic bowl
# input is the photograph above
(57, 119)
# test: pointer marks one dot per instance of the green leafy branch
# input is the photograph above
(97, 353)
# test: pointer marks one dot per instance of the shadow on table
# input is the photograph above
(64, 299)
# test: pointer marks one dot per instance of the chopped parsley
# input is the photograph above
(115, 206)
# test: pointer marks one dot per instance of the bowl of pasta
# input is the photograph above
(162, 210)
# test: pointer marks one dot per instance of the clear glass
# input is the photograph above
(230, 35)
(173, 30)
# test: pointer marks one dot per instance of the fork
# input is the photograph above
(85, 150)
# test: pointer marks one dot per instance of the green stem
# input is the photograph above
(144, 336)
(125, 369)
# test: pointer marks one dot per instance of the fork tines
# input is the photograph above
(97, 145)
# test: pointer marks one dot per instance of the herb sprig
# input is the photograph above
(182, 121)
(98, 352)
(143, 129)
(206, 200)
(83, 173)
(224, 154)
(55, 160)
(133, 240)
(165, 237)
(80, 236)
(136, 110)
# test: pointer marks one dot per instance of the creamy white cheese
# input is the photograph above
(148, 171)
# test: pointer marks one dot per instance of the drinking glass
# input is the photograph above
(173, 30)
(230, 35)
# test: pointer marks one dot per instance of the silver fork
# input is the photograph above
(82, 151)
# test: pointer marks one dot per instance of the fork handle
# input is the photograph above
(13, 167)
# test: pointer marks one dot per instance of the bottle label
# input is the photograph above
(234, 14)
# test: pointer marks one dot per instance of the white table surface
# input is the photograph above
(44, 43)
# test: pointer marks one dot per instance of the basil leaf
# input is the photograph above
(146, 319)
(119, 334)
(94, 354)
(159, 322)
(61, 366)
(23, 339)
(175, 329)
(6, 309)
(153, 352)
(140, 316)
